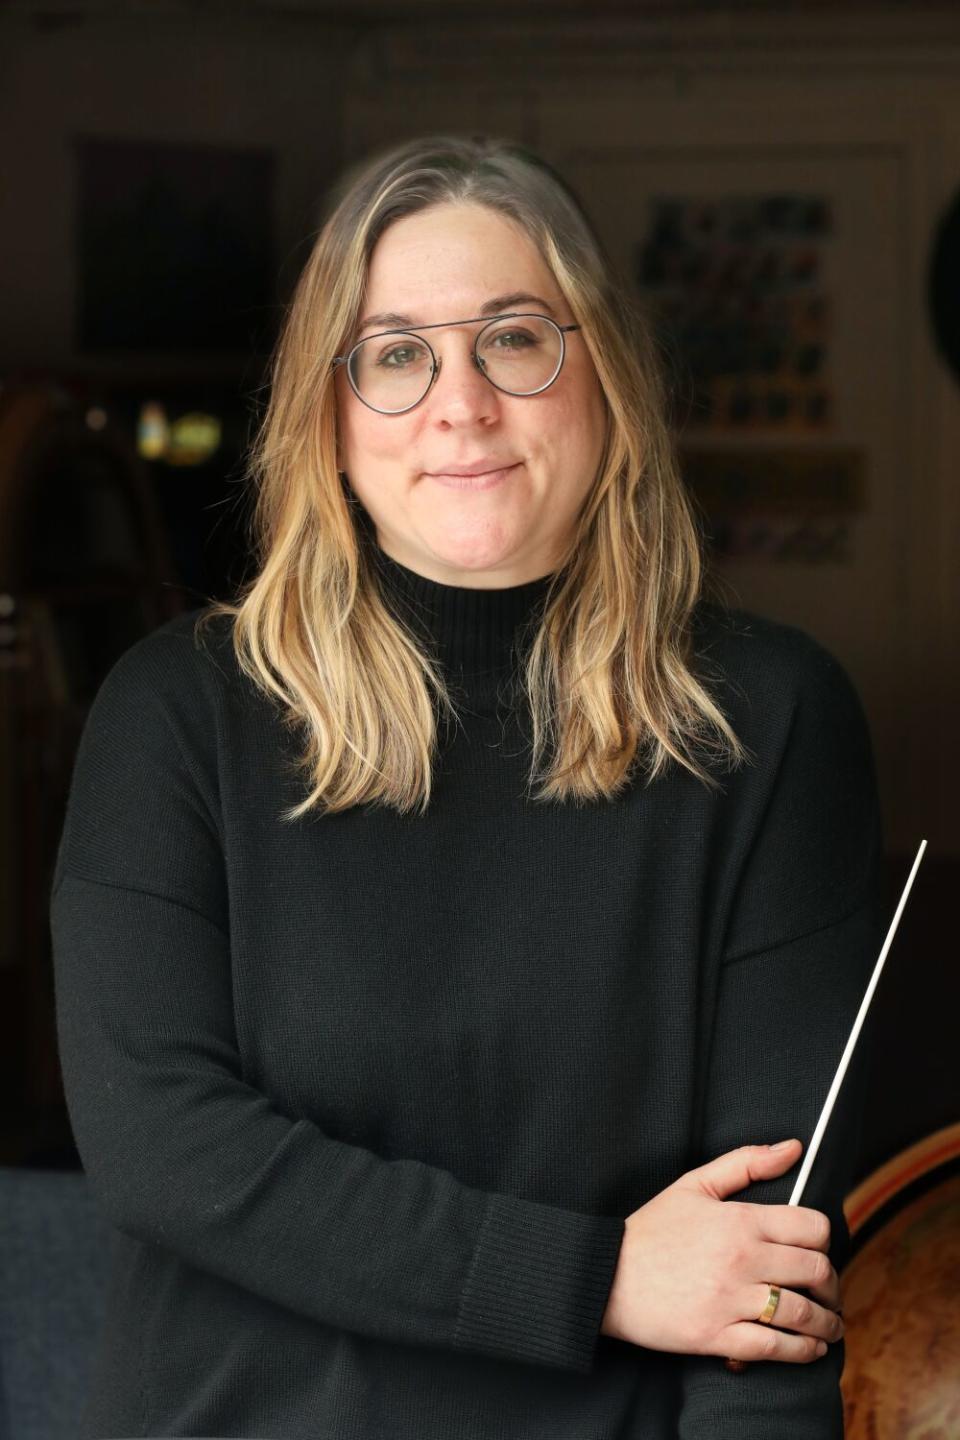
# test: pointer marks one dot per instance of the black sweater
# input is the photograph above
(367, 1098)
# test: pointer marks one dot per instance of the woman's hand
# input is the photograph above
(695, 1269)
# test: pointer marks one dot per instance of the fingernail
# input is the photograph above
(781, 1145)
(821, 1347)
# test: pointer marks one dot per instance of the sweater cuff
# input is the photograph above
(539, 1283)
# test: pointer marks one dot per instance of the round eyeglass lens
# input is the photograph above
(391, 372)
(519, 356)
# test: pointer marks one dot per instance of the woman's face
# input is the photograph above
(444, 264)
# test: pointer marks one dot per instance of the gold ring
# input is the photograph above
(770, 1309)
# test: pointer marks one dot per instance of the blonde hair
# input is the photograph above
(606, 676)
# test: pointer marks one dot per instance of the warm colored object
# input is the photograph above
(902, 1375)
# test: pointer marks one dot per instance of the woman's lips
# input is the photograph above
(486, 481)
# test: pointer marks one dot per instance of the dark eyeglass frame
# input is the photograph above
(436, 361)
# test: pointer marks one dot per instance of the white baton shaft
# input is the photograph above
(827, 1110)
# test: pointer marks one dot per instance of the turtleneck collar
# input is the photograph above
(473, 631)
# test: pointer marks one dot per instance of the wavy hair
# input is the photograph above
(607, 676)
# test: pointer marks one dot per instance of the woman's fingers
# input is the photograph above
(747, 1341)
(798, 1239)
(696, 1266)
(794, 1225)
(801, 1270)
(829, 1292)
(798, 1313)
(736, 1169)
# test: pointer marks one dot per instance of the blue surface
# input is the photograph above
(54, 1261)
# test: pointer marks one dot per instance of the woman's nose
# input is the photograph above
(461, 392)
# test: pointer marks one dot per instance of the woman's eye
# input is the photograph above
(515, 339)
(399, 356)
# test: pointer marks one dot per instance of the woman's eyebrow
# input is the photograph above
(389, 318)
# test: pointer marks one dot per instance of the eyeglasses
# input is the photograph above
(393, 371)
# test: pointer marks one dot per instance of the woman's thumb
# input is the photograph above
(739, 1168)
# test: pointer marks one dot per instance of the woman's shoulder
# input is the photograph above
(188, 655)
(146, 772)
(771, 664)
(166, 689)
(809, 798)
(745, 639)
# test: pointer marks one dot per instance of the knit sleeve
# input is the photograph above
(183, 1153)
(807, 925)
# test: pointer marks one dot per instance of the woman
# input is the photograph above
(418, 1096)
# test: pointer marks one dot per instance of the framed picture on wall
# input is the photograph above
(738, 284)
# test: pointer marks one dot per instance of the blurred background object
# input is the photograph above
(55, 1253)
(901, 1380)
